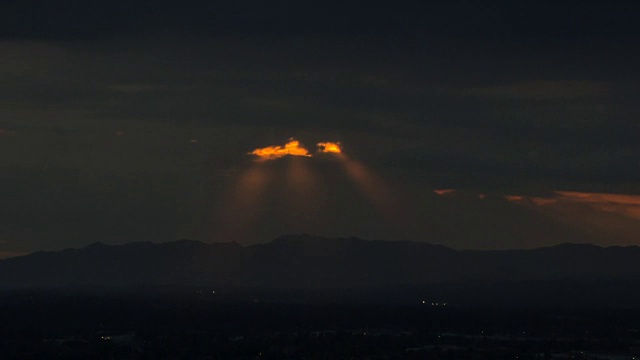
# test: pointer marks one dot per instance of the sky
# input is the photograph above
(473, 124)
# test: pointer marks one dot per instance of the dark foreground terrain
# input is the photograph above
(201, 324)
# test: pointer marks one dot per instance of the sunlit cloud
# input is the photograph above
(600, 198)
(623, 204)
(603, 218)
(329, 147)
(595, 214)
(303, 185)
(292, 148)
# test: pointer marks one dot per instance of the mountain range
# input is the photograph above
(313, 262)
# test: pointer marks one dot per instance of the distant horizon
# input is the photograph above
(314, 267)
(321, 237)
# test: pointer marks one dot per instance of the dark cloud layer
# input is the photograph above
(128, 120)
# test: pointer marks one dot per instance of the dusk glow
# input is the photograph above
(627, 205)
(123, 124)
(358, 180)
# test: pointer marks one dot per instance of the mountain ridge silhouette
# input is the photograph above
(313, 262)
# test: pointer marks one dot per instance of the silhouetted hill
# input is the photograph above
(312, 262)
(180, 262)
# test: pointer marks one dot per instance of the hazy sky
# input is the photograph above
(128, 121)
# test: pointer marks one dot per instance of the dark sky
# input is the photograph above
(131, 120)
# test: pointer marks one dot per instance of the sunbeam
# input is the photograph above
(245, 202)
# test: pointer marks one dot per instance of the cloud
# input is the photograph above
(295, 148)
(291, 148)
(599, 198)
(622, 204)
(534, 220)
(612, 218)
(329, 147)
(443, 192)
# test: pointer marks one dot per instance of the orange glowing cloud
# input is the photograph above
(623, 204)
(443, 192)
(602, 218)
(292, 148)
(594, 214)
(329, 147)
(600, 198)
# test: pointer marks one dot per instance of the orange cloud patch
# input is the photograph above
(292, 148)
(600, 218)
(329, 147)
(599, 198)
(443, 192)
(628, 205)
(622, 204)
